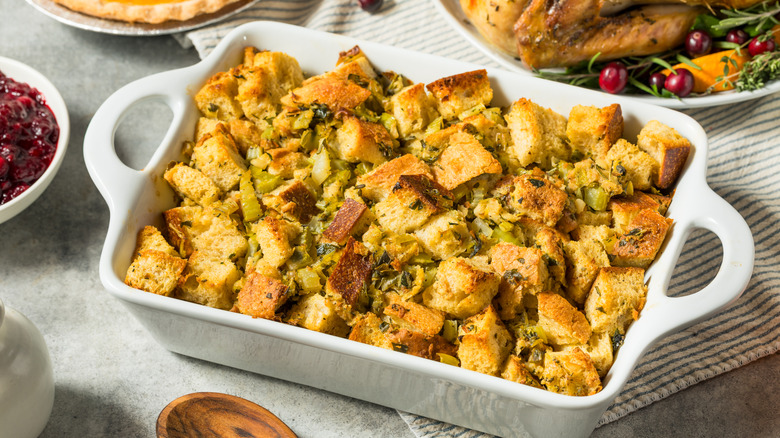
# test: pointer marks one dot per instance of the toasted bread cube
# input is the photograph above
(207, 230)
(353, 62)
(599, 348)
(414, 199)
(625, 208)
(352, 273)
(485, 343)
(317, 313)
(420, 344)
(367, 329)
(538, 134)
(336, 93)
(155, 271)
(515, 370)
(246, 133)
(293, 200)
(444, 235)
(380, 181)
(584, 258)
(570, 372)
(523, 272)
(462, 160)
(274, 236)
(357, 140)
(462, 287)
(535, 196)
(641, 242)
(216, 155)
(562, 322)
(600, 233)
(638, 166)
(284, 162)
(668, 148)
(263, 80)
(182, 225)
(261, 296)
(209, 281)
(551, 242)
(352, 219)
(413, 109)
(412, 316)
(192, 183)
(592, 130)
(458, 93)
(217, 98)
(151, 238)
(615, 299)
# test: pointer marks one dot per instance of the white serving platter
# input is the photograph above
(137, 198)
(451, 11)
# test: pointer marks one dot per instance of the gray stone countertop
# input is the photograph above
(113, 379)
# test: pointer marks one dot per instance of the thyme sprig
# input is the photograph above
(758, 71)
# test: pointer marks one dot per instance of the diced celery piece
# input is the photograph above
(303, 120)
(389, 122)
(505, 236)
(264, 181)
(308, 140)
(449, 360)
(476, 109)
(434, 126)
(450, 330)
(250, 207)
(308, 279)
(595, 197)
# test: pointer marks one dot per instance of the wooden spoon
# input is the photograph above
(211, 414)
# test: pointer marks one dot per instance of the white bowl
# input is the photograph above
(405, 382)
(20, 72)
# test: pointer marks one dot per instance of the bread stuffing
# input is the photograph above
(420, 218)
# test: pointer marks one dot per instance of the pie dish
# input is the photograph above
(145, 11)
(404, 382)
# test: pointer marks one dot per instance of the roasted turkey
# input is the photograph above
(558, 33)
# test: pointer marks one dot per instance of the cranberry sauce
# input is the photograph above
(28, 137)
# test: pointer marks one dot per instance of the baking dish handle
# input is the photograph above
(110, 174)
(703, 208)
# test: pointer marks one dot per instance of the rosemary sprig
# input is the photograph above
(757, 19)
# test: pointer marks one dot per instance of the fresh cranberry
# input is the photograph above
(613, 77)
(680, 83)
(698, 43)
(758, 46)
(370, 5)
(658, 80)
(4, 166)
(738, 36)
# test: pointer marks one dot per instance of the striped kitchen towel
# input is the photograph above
(743, 169)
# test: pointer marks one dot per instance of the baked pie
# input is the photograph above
(145, 11)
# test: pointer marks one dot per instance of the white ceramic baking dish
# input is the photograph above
(428, 388)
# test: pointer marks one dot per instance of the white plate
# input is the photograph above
(96, 24)
(453, 14)
(137, 197)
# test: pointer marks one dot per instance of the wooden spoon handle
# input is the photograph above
(211, 414)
